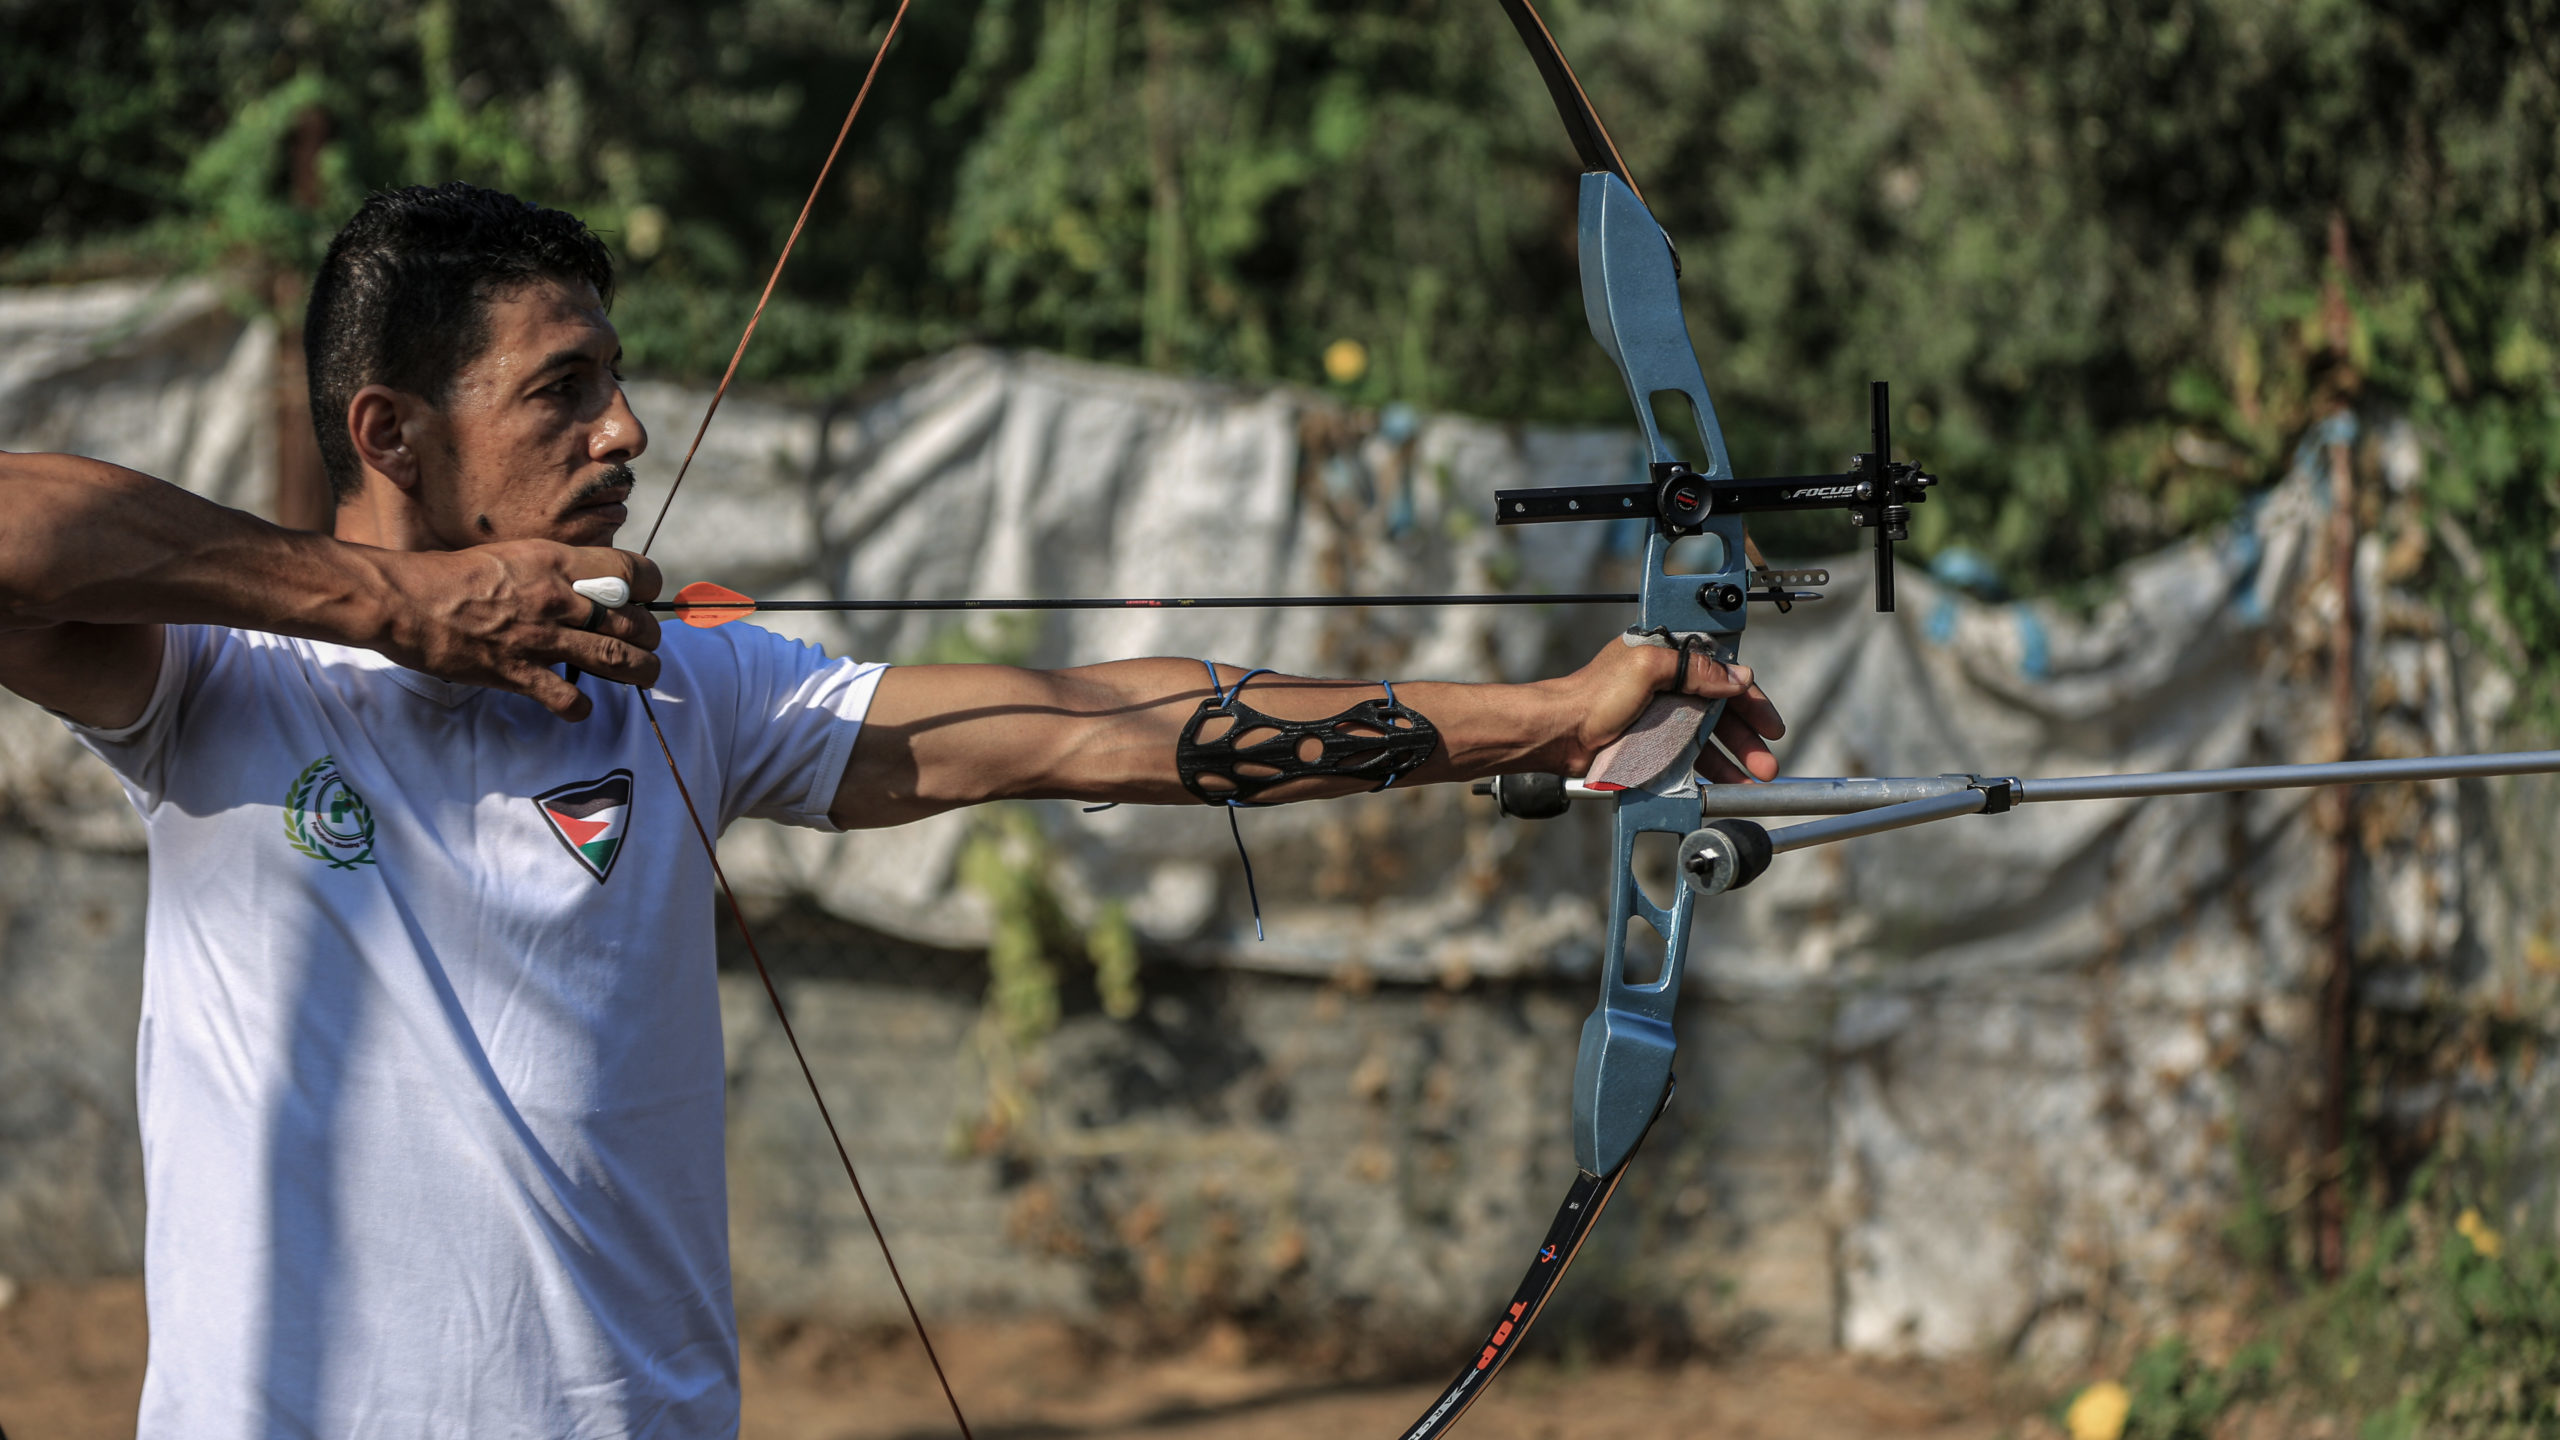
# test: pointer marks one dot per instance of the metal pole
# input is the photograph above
(2285, 777)
(1857, 810)
(1891, 817)
(1851, 796)
(1821, 797)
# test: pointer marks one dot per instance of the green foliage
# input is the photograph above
(1006, 864)
(1230, 187)
(2177, 1396)
(1111, 945)
(2441, 1326)
(2115, 256)
(1001, 864)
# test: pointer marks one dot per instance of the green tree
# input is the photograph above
(2116, 256)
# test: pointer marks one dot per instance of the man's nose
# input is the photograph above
(619, 437)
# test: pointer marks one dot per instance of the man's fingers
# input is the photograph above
(631, 625)
(619, 646)
(555, 694)
(603, 630)
(1698, 672)
(1753, 708)
(629, 566)
(1749, 721)
(509, 614)
(1707, 677)
(1735, 679)
(610, 656)
(1744, 729)
(643, 574)
(1716, 769)
(1734, 729)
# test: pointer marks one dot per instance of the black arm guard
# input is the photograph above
(1376, 740)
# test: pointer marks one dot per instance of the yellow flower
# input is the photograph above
(2098, 1413)
(1345, 361)
(2484, 1241)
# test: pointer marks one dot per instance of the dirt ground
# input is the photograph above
(71, 1369)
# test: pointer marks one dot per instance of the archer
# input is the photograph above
(430, 1065)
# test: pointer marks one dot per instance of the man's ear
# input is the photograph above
(387, 427)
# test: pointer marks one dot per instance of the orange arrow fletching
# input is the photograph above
(703, 605)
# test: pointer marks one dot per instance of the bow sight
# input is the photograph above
(1877, 490)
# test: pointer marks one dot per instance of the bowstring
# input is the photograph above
(749, 334)
(702, 831)
(774, 993)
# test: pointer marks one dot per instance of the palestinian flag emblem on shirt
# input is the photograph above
(591, 817)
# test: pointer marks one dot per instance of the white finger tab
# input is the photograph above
(610, 591)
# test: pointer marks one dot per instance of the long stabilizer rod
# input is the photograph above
(2286, 777)
(1871, 807)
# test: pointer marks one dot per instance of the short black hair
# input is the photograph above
(403, 297)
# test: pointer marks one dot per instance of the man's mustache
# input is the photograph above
(617, 478)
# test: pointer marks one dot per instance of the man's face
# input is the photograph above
(534, 440)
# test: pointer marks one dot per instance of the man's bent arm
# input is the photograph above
(94, 558)
(941, 736)
(92, 555)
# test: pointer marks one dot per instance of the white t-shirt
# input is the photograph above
(430, 1073)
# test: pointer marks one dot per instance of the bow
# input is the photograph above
(1623, 1070)
(1630, 278)
(1622, 1078)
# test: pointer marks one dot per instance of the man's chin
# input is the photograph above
(593, 525)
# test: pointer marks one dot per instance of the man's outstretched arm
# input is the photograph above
(95, 558)
(942, 736)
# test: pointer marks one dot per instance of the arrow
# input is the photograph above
(704, 604)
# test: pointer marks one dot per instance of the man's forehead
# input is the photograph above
(544, 315)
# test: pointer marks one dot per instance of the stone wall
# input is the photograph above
(1370, 1163)
(70, 989)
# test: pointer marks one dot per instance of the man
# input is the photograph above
(430, 1073)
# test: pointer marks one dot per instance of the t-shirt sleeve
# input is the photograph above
(797, 712)
(140, 753)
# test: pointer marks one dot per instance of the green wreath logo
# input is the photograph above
(326, 819)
